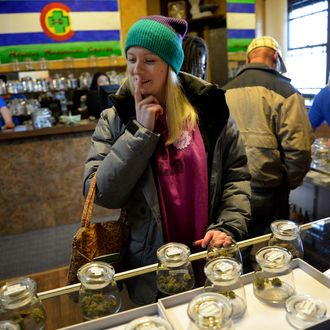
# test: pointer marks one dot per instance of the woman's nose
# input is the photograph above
(137, 67)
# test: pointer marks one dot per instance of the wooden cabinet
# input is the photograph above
(212, 28)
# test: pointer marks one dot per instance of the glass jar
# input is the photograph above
(174, 271)
(231, 251)
(274, 283)
(223, 276)
(149, 323)
(321, 152)
(210, 310)
(42, 118)
(22, 305)
(98, 295)
(303, 311)
(286, 234)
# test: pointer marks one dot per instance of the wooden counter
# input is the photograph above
(41, 177)
(56, 130)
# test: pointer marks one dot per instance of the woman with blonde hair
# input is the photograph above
(169, 154)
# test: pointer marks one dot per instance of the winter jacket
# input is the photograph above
(120, 154)
(272, 118)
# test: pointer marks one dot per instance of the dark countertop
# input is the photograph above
(55, 130)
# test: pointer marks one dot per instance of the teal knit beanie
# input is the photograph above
(162, 36)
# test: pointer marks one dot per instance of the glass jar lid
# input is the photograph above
(17, 293)
(173, 254)
(273, 258)
(223, 270)
(210, 310)
(305, 310)
(96, 275)
(9, 325)
(285, 229)
(149, 323)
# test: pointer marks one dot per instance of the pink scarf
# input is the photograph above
(182, 184)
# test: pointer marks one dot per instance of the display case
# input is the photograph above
(63, 311)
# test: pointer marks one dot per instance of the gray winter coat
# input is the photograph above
(120, 155)
(274, 126)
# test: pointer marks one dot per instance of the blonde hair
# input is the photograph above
(180, 114)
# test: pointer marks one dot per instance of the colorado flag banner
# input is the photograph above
(241, 24)
(56, 30)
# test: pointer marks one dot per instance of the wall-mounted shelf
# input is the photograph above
(66, 64)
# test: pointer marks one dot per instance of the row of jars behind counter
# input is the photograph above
(47, 110)
(40, 103)
(57, 82)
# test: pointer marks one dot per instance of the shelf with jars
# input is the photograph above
(68, 63)
(61, 94)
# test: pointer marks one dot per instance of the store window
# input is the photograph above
(308, 50)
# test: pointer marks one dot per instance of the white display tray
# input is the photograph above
(258, 315)
(119, 320)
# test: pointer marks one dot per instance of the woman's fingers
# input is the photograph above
(137, 90)
(214, 238)
(147, 108)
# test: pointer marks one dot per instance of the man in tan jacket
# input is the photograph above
(273, 122)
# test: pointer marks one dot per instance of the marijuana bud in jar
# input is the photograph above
(22, 305)
(274, 282)
(223, 276)
(174, 271)
(286, 234)
(98, 295)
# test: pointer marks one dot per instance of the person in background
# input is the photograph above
(5, 114)
(320, 109)
(169, 154)
(93, 99)
(272, 118)
(195, 56)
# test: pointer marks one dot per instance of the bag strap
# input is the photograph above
(89, 202)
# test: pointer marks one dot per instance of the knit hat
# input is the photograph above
(269, 42)
(162, 36)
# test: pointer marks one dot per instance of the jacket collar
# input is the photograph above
(261, 67)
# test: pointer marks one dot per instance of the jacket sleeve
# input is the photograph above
(295, 136)
(119, 157)
(231, 209)
(315, 114)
